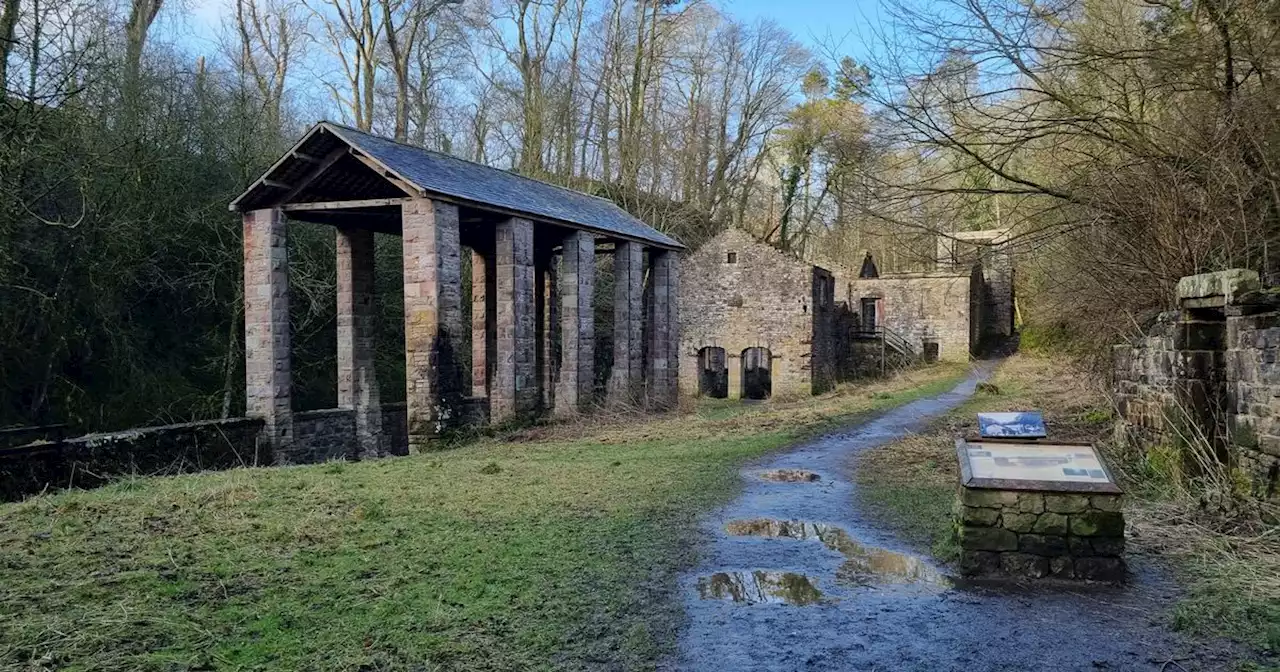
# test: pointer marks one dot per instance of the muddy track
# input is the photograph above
(793, 578)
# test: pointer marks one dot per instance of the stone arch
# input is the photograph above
(757, 373)
(713, 372)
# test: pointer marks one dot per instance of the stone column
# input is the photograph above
(548, 270)
(577, 324)
(483, 309)
(513, 391)
(266, 329)
(357, 380)
(664, 344)
(733, 362)
(432, 318)
(628, 324)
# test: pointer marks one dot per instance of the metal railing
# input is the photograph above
(889, 340)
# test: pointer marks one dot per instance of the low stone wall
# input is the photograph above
(323, 435)
(21, 436)
(1036, 535)
(95, 459)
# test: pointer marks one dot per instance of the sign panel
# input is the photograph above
(1022, 424)
(1036, 465)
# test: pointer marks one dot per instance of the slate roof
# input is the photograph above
(479, 185)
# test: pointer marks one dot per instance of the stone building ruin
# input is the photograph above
(1210, 371)
(757, 321)
(533, 249)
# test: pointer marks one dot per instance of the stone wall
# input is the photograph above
(918, 307)
(991, 252)
(1142, 376)
(95, 459)
(1253, 398)
(327, 434)
(1038, 535)
(1214, 364)
(758, 297)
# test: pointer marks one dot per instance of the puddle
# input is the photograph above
(790, 476)
(864, 565)
(759, 587)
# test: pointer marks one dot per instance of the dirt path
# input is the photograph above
(793, 578)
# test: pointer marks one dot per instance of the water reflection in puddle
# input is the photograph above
(759, 587)
(864, 565)
(790, 476)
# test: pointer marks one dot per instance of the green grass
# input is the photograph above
(555, 553)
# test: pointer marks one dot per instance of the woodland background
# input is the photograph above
(1125, 142)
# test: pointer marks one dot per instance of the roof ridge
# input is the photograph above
(474, 163)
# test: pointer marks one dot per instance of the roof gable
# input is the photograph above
(468, 183)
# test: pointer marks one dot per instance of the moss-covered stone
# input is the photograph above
(1106, 502)
(1031, 502)
(979, 517)
(1066, 503)
(1051, 523)
(992, 499)
(1097, 524)
(1041, 544)
(988, 539)
(1018, 522)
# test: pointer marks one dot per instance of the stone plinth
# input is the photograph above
(1035, 535)
(1038, 509)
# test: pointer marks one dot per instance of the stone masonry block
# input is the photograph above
(628, 324)
(979, 517)
(577, 324)
(433, 319)
(514, 388)
(1097, 524)
(1066, 503)
(988, 498)
(988, 539)
(268, 370)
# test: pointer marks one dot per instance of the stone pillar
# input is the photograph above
(664, 334)
(513, 391)
(432, 318)
(577, 324)
(548, 270)
(628, 324)
(357, 380)
(734, 365)
(268, 375)
(483, 308)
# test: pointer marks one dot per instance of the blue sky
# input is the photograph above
(845, 23)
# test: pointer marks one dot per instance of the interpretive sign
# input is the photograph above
(1023, 424)
(1057, 467)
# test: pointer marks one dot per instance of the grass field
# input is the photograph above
(1227, 559)
(553, 547)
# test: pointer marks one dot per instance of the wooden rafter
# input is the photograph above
(342, 205)
(324, 164)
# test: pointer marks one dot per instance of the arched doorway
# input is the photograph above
(757, 378)
(713, 372)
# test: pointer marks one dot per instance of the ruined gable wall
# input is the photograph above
(920, 306)
(764, 299)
